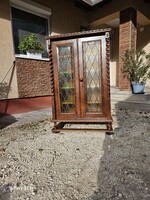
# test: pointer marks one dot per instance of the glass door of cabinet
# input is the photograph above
(66, 72)
(90, 64)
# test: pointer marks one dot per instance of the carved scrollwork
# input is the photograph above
(107, 66)
(51, 69)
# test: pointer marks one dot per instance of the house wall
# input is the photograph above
(114, 60)
(66, 17)
(143, 41)
(101, 15)
(113, 7)
(110, 8)
(141, 6)
(60, 22)
(35, 79)
(8, 81)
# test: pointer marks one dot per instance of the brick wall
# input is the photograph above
(33, 77)
(127, 40)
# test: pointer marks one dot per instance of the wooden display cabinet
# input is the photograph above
(80, 79)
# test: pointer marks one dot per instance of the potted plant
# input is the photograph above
(30, 45)
(136, 66)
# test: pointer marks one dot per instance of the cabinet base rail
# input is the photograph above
(58, 127)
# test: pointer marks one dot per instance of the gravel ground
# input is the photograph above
(36, 164)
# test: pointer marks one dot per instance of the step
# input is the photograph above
(127, 100)
(132, 105)
(131, 98)
(117, 95)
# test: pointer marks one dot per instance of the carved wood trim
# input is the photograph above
(108, 69)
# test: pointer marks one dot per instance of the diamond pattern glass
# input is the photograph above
(92, 76)
(66, 83)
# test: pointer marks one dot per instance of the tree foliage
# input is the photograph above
(30, 43)
(136, 65)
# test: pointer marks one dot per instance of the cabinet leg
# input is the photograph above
(57, 127)
(109, 129)
(54, 130)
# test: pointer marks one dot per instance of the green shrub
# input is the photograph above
(136, 65)
(30, 43)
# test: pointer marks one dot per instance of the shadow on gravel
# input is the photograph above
(124, 171)
(5, 192)
(6, 120)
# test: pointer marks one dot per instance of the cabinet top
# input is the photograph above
(79, 34)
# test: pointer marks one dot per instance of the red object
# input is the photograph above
(13, 106)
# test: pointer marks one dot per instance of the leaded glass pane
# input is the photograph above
(66, 83)
(92, 76)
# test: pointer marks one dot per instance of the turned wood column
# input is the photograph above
(127, 40)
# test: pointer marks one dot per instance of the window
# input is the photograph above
(26, 19)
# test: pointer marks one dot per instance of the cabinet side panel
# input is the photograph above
(106, 76)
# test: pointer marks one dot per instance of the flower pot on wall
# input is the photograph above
(34, 55)
(31, 46)
(136, 68)
(138, 88)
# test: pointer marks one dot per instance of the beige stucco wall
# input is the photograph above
(110, 8)
(143, 41)
(66, 17)
(114, 57)
(7, 77)
(141, 6)
(113, 7)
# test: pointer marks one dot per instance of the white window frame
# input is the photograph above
(33, 8)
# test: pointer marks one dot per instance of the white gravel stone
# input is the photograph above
(36, 164)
